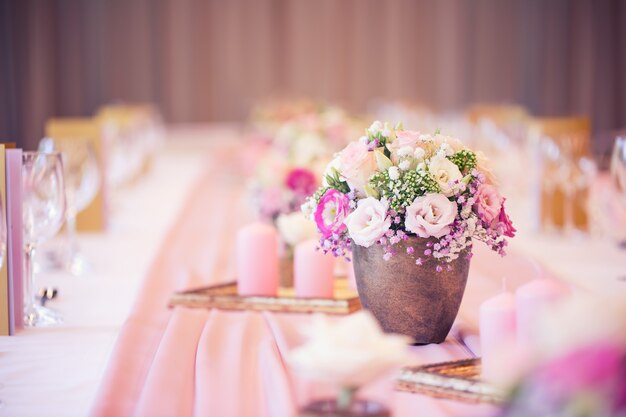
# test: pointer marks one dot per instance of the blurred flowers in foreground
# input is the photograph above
(581, 365)
(349, 352)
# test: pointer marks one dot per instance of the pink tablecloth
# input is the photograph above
(185, 362)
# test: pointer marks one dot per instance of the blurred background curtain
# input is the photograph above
(209, 60)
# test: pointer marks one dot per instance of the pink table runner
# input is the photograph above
(186, 362)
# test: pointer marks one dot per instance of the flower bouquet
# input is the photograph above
(408, 206)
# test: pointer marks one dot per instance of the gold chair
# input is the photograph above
(94, 217)
(563, 140)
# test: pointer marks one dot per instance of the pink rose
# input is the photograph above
(330, 212)
(406, 138)
(301, 181)
(430, 215)
(357, 164)
(488, 203)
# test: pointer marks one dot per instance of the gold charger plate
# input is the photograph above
(225, 297)
(457, 380)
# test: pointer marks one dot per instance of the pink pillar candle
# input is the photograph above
(532, 299)
(257, 260)
(497, 331)
(313, 275)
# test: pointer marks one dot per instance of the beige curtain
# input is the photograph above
(206, 60)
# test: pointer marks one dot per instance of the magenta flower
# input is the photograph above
(505, 221)
(301, 181)
(330, 213)
(587, 368)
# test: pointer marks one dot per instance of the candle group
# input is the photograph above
(508, 321)
(313, 273)
(257, 260)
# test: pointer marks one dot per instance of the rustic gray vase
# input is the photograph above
(414, 300)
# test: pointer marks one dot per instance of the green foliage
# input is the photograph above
(334, 181)
(405, 189)
(465, 160)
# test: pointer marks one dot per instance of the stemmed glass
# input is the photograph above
(618, 173)
(82, 182)
(43, 214)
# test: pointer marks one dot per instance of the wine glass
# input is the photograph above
(618, 173)
(82, 182)
(43, 214)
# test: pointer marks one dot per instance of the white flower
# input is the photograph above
(394, 173)
(444, 171)
(375, 127)
(368, 222)
(308, 147)
(404, 165)
(405, 151)
(295, 228)
(430, 215)
(446, 149)
(348, 352)
(308, 208)
(385, 132)
(426, 138)
(363, 139)
(421, 167)
(419, 154)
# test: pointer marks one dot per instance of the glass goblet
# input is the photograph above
(43, 213)
(82, 182)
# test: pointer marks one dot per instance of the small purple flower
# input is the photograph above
(387, 256)
(410, 250)
(439, 268)
(427, 252)
(419, 261)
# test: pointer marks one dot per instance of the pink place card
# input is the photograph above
(14, 238)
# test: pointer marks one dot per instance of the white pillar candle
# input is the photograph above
(497, 331)
(313, 271)
(257, 260)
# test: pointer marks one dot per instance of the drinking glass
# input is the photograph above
(43, 214)
(618, 173)
(82, 182)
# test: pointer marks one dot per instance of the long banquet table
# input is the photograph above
(122, 352)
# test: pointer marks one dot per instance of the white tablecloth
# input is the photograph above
(56, 371)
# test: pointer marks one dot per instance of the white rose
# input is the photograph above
(430, 215)
(368, 222)
(295, 228)
(443, 170)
